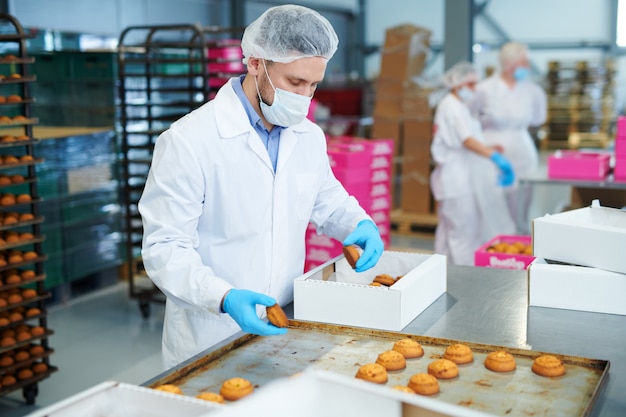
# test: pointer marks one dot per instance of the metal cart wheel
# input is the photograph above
(30, 392)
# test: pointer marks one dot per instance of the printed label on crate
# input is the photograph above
(322, 241)
(380, 162)
(508, 263)
(380, 175)
(322, 255)
(381, 216)
(378, 190)
(382, 147)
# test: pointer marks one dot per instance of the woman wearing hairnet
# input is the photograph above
(234, 184)
(507, 104)
(468, 177)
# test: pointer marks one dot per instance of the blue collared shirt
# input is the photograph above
(271, 138)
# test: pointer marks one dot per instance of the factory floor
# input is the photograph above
(102, 336)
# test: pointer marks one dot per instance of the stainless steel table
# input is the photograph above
(489, 306)
(540, 176)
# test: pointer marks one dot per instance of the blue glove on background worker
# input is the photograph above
(241, 306)
(507, 175)
(366, 236)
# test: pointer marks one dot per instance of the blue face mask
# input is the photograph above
(521, 73)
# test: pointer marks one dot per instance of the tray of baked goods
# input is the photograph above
(492, 379)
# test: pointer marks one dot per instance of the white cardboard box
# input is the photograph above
(591, 236)
(118, 399)
(576, 288)
(335, 293)
(316, 393)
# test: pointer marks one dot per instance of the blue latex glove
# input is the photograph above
(241, 306)
(366, 235)
(507, 175)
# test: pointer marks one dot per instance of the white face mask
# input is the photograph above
(288, 108)
(466, 95)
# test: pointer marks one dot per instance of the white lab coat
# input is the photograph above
(506, 114)
(472, 208)
(216, 217)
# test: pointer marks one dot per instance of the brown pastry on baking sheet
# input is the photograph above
(424, 384)
(500, 361)
(548, 365)
(391, 360)
(443, 369)
(211, 396)
(236, 388)
(372, 372)
(169, 388)
(409, 348)
(459, 354)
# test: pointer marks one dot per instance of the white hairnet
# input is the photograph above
(512, 52)
(460, 73)
(289, 32)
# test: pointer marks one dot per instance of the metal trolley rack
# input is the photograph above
(164, 72)
(24, 332)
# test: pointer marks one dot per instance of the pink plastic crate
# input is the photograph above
(578, 165)
(488, 255)
(346, 156)
(381, 175)
(619, 170)
(225, 48)
(620, 147)
(349, 176)
(227, 66)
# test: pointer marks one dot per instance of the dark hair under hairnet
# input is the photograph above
(289, 32)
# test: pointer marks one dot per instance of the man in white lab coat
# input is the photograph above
(234, 184)
(507, 104)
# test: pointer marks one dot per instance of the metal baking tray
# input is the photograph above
(343, 349)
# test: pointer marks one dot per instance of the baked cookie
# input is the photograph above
(385, 279)
(351, 254)
(443, 369)
(500, 361)
(236, 388)
(424, 384)
(391, 360)
(403, 388)
(548, 365)
(372, 372)
(169, 388)
(409, 348)
(459, 354)
(211, 396)
(277, 316)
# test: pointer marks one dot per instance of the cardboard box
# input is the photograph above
(416, 167)
(335, 293)
(118, 399)
(488, 256)
(404, 52)
(579, 165)
(591, 236)
(315, 393)
(573, 287)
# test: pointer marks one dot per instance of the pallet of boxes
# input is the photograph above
(402, 113)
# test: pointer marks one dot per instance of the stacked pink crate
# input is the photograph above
(364, 168)
(225, 61)
(619, 170)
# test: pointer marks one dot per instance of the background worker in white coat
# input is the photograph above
(468, 178)
(507, 104)
(234, 184)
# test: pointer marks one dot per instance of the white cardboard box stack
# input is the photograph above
(335, 293)
(590, 271)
